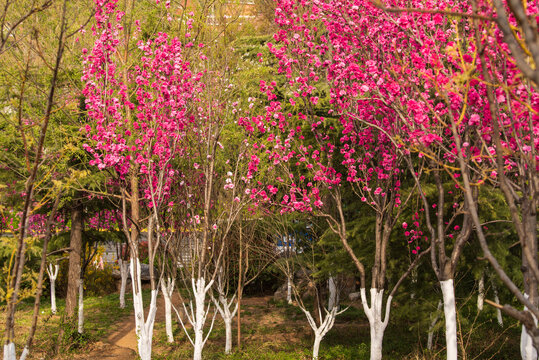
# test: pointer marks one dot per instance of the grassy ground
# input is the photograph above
(270, 331)
(100, 314)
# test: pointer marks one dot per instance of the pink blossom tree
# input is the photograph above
(138, 102)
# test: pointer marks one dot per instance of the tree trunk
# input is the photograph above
(73, 276)
(527, 351)
(200, 295)
(53, 274)
(377, 323)
(288, 290)
(228, 335)
(167, 290)
(81, 306)
(433, 324)
(9, 351)
(124, 269)
(497, 301)
(333, 299)
(316, 346)
(450, 312)
(481, 295)
(143, 326)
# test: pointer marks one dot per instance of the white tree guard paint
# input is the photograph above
(433, 323)
(24, 354)
(9, 351)
(81, 306)
(53, 274)
(197, 316)
(167, 288)
(320, 330)
(377, 324)
(481, 295)
(527, 351)
(200, 316)
(288, 290)
(124, 270)
(497, 301)
(333, 299)
(450, 312)
(223, 305)
(143, 326)
(10, 354)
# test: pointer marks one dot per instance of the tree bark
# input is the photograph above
(333, 299)
(53, 274)
(73, 275)
(124, 269)
(81, 306)
(167, 289)
(377, 321)
(450, 312)
(481, 295)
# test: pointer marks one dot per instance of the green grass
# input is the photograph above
(101, 313)
(284, 335)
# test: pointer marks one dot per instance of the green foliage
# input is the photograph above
(340, 352)
(8, 246)
(97, 281)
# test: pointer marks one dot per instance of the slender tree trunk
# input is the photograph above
(223, 305)
(39, 287)
(167, 289)
(377, 322)
(81, 306)
(433, 324)
(143, 326)
(497, 301)
(53, 274)
(73, 275)
(228, 335)
(240, 284)
(288, 289)
(333, 299)
(200, 296)
(124, 270)
(450, 312)
(316, 346)
(481, 295)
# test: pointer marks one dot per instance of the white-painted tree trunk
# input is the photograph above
(197, 316)
(223, 305)
(53, 274)
(316, 346)
(377, 323)
(527, 351)
(143, 326)
(81, 306)
(320, 330)
(168, 289)
(9, 351)
(288, 290)
(24, 354)
(124, 270)
(497, 301)
(433, 324)
(333, 299)
(200, 316)
(481, 295)
(450, 312)
(10, 354)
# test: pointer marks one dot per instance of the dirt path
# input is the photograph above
(121, 343)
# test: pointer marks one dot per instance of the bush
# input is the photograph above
(97, 281)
